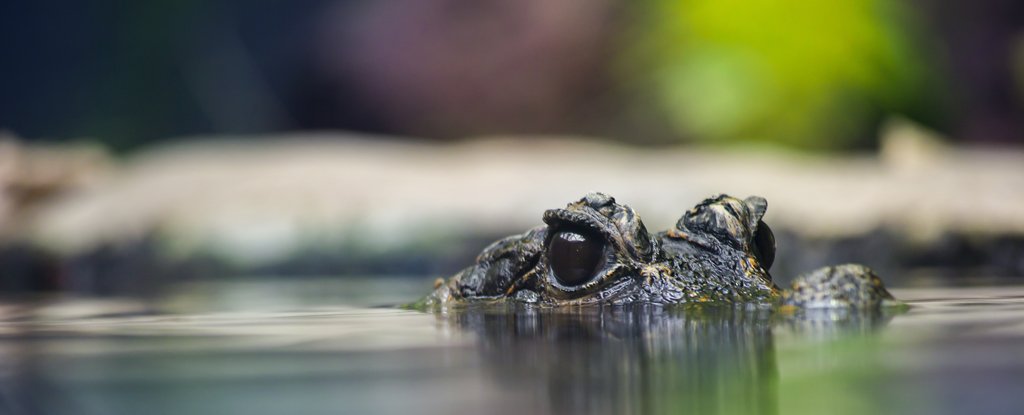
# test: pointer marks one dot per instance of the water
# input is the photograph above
(317, 347)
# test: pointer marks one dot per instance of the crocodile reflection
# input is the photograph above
(643, 359)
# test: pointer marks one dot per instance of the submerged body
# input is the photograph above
(596, 251)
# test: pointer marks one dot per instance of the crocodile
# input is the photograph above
(596, 251)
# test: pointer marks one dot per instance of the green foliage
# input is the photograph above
(799, 72)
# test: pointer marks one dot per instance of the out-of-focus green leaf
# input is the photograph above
(800, 72)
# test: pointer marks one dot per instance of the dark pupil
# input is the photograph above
(574, 257)
(764, 241)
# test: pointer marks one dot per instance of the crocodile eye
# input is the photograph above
(574, 257)
(764, 243)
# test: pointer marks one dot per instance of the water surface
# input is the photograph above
(320, 347)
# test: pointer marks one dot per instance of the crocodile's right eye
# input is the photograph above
(575, 257)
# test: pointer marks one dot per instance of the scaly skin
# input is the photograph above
(718, 252)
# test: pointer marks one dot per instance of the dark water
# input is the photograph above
(316, 347)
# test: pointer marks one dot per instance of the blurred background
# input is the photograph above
(151, 142)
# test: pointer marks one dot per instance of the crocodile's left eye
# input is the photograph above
(764, 244)
(575, 257)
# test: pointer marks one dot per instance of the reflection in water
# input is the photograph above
(642, 359)
(956, 351)
(831, 324)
